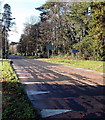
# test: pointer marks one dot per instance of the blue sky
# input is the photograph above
(22, 10)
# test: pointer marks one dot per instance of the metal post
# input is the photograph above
(1, 46)
(48, 53)
(52, 49)
(5, 42)
(1, 32)
(2, 49)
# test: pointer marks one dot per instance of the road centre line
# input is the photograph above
(64, 74)
(84, 82)
(72, 77)
(76, 79)
(86, 70)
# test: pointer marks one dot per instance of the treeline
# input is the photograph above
(67, 26)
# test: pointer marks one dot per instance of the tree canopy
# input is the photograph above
(67, 26)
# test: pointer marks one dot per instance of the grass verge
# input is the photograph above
(29, 57)
(87, 64)
(15, 104)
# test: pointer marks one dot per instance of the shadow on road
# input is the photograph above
(84, 101)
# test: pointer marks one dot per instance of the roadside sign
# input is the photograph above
(50, 47)
(74, 51)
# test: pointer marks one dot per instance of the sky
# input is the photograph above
(22, 10)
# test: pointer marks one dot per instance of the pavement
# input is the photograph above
(61, 92)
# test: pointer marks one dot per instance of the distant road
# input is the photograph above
(61, 91)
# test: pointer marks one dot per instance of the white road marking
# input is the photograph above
(20, 73)
(51, 112)
(27, 83)
(89, 70)
(79, 68)
(32, 92)
(76, 79)
(24, 77)
(86, 70)
(85, 82)
(102, 73)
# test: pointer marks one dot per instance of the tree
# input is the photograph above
(68, 26)
(6, 24)
(92, 46)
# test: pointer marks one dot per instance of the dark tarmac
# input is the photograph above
(60, 92)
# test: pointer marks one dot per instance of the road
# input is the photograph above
(61, 91)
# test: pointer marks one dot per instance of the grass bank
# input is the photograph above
(29, 57)
(15, 104)
(87, 64)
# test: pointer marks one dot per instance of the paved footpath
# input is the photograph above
(62, 92)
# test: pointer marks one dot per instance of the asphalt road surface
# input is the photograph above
(61, 92)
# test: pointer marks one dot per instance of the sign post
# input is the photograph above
(74, 51)
(49, 47)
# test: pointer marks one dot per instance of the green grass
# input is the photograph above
(92, 65)
(15, 103)
(30, 57)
